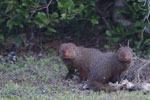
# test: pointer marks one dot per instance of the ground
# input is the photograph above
(30, 78)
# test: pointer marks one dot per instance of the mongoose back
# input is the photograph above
(108, 67)
(78, 58)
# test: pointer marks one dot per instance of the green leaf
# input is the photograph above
(41, 15)
(41, 25)
(63, 16)
(42, 20)
(54, 15)
(18, 39)
(94, 21)
(106, 46)
(108, 33)
(26, 15)
(1, 20)
(51, 29)
(147, 42)
(10, 6)
(1, 36)
(82, 7)
(138, 44)
(14, 22)
(27, 2)
(9, 23)
(17, 23)
(60, 5)
(138, 23)
(116, 39)
(65, 4)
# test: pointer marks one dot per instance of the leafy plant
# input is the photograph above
(136, 13)
(25, 16)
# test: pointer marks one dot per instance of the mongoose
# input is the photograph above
(78, 58)
(108, 67)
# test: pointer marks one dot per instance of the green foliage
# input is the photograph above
(136, 13)
(18, 39)
(27, 15)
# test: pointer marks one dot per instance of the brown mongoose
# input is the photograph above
(78, 58)
(108, 67)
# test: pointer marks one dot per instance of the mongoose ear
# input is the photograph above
(74, 50)
(120, 45)
(128, 43)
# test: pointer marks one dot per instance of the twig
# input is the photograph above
(41, 8)
(104, 19)
(36, 9)
(128, 43)
(147, 16)
(47, 7)
(139, 70)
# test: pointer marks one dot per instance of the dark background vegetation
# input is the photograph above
(104, 24)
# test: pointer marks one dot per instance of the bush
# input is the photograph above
(28, 16)
(135, 12)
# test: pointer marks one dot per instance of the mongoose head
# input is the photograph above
(125, 53)
(67, 50)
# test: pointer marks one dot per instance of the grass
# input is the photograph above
(43, 79)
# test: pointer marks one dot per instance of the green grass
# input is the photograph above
(30, 79)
